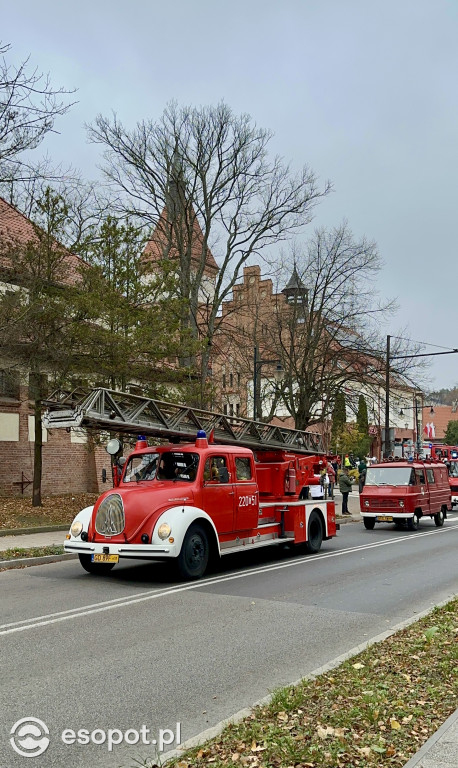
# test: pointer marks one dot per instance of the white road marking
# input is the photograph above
(140, 597)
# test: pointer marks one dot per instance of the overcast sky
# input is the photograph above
(363, 91)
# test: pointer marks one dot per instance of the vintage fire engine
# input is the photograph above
(402, 492)
(239, 485)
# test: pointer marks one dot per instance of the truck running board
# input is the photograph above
(257, 545)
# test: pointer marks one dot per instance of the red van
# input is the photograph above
(402, 492)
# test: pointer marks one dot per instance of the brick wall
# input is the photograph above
(67, 467)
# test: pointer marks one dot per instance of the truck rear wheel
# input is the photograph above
(195, 552)
(439, 518)
(314, 534)
(369, 523)
(413, 522)
(91, 567)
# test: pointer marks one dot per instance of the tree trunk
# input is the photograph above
(37, 455)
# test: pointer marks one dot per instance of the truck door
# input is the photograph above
(218, 493)
(246, 494)
(422, 487)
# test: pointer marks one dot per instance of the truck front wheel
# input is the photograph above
(369, 523)
(91, 567)
(314, 534)
(413, 522)
(194, 554)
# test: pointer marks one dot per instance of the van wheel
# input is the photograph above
(413, 522)
(96, 568)
(369, 523)
(314, 534)
(194, 554)
(439, 518)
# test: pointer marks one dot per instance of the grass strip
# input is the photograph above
(18, 552)
(376, 709)
(18, 512)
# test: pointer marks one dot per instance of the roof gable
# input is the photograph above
(18, 230)
(161, 242)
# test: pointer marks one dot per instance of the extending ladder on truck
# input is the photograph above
(109, 410)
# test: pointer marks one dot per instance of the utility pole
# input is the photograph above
(386, 449)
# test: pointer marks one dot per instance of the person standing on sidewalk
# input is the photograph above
(362, 469)
(345, 488)
(332, 479)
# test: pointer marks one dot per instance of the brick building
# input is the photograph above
(71, 463)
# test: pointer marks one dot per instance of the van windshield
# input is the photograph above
(390, 476)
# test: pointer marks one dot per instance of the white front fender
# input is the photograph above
(83, 517)
(179, 519)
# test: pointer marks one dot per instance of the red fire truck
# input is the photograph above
(402, 492)
(239, 485)
(449, 455)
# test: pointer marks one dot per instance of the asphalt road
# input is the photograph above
(137, 649)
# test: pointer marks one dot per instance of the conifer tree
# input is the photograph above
(339, 418)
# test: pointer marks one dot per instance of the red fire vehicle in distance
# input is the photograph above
(402, 492)
(449, 455)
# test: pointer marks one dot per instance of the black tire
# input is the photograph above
(195, 553)
(96, 568)
(413, 522)
(369, 523)
(314, 534)
(439, 518)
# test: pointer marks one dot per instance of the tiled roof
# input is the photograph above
(18, 230)
(155, 247)
(435, 424)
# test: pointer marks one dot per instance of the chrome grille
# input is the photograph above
(110, 520)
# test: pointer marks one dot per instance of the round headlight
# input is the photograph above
(366, 503)
(164, 531)
(76, 528)
(401, 503)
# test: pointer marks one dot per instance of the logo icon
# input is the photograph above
(29, 737)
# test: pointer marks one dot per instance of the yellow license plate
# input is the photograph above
(101, 558)
(384, 518)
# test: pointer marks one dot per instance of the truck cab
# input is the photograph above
(402, 492)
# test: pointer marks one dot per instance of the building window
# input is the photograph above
(225, 410)
(231, 409)
(237, 409)
(9, 384)
(238, 379)
(224, 381)
(231, 380)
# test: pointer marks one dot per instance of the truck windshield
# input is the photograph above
(142, 467)
(453, 469)
(176, 465)
(390, 476)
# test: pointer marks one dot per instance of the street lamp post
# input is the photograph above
(257, 365)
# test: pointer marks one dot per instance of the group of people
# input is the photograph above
(330, 472)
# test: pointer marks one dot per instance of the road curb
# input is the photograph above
(423, 751)
(20, 562)
(34, 529)
(215, 730)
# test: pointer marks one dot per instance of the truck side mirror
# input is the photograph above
(104, 475)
